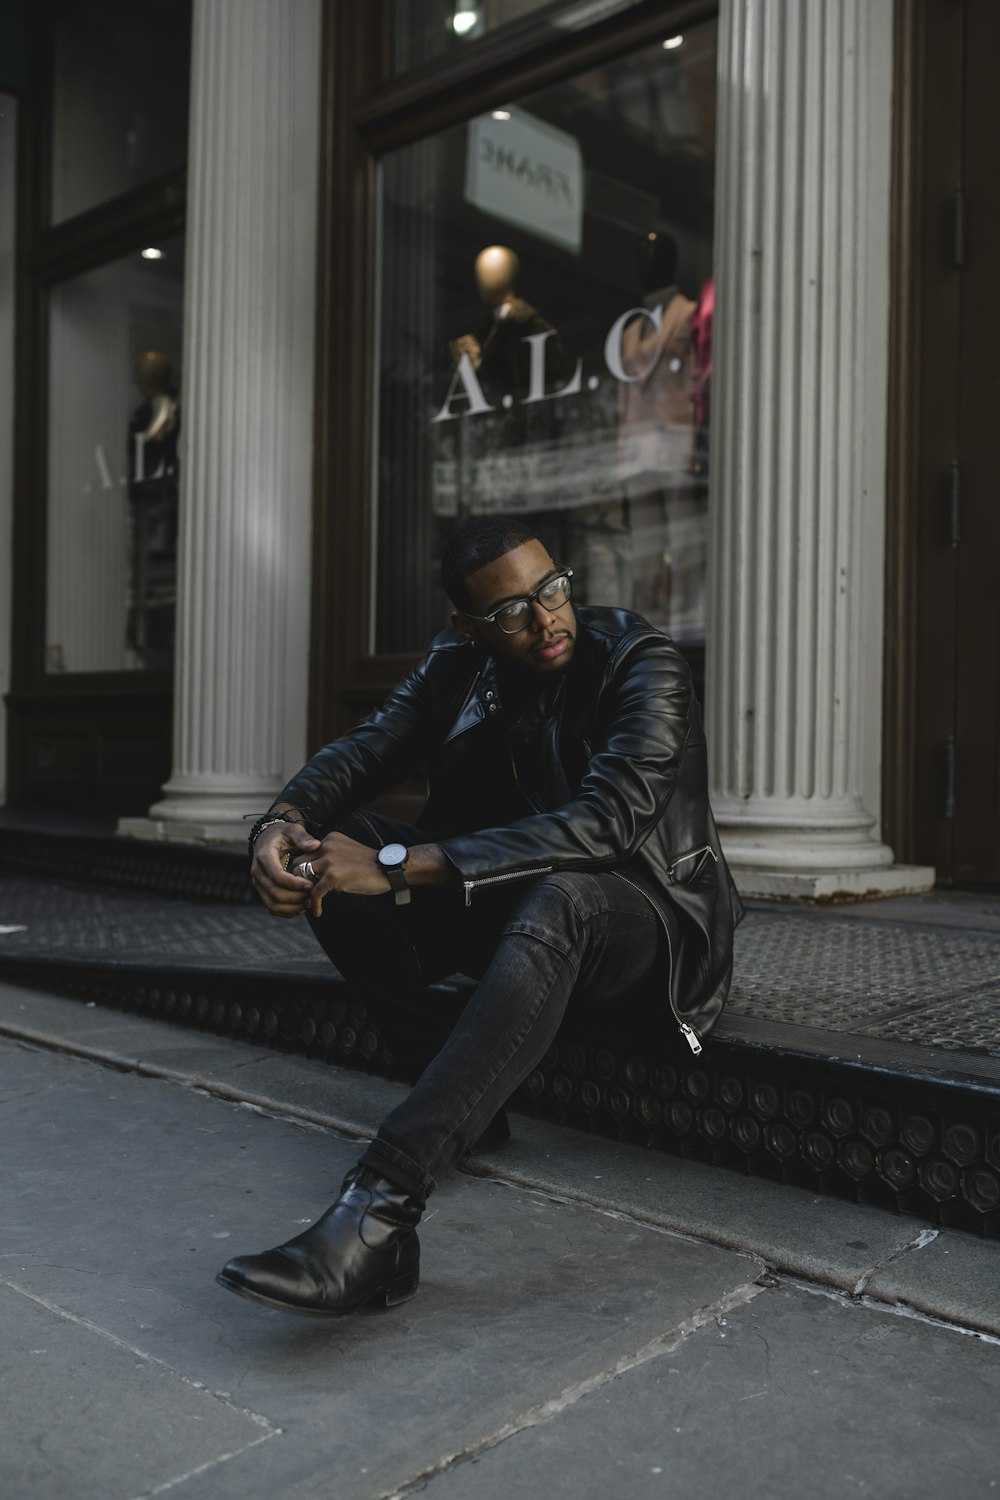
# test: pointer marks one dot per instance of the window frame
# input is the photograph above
(90, 705)
(367, 113)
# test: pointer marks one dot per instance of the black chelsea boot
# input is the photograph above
(364, 1250)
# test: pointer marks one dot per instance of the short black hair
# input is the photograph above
(480, 541)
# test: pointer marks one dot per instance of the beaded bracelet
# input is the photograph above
(265, 822)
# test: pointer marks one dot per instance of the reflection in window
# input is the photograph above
(120, 97)
(545, 344)
(113, 464)
(421, 30)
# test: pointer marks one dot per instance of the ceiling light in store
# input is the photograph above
(500, 114)
(672, 43)
(151, 253)
(463, 20)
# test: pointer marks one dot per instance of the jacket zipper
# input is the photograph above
(687, 1032)
(471, 885)
(705, 849)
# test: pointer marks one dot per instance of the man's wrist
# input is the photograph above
(281, 812)
(428, 865)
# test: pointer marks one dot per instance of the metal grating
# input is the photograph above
(895, 981)
(66, 921)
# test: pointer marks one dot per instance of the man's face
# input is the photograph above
(546, 643)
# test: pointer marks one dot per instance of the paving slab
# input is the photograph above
(951, 1276)
(790, 1395)
(86, 1413)
(125, 1194)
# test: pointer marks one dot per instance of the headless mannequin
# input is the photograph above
(153, 433)
(657, 446)
(155, 375)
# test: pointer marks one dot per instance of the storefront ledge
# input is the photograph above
(159, 830)
(834, 885)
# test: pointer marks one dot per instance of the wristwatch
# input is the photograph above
(392, 858)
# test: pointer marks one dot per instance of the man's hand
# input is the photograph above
(282, 892)
(342, 864)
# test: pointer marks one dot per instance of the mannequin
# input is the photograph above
(657, 447)
(657, 411)
(498, 457)
(153, 433)
(155, 425)
(496, 345)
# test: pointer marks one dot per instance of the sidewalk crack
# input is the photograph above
(269, 1428)
(663, 1343)
(919, 1242)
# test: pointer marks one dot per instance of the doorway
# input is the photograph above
(956, 681)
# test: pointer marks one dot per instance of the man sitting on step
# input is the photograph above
(566, 857)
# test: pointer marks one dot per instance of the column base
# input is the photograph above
(190, 831)
(205, 807)
(834, 885)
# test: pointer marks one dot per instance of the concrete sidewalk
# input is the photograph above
(593, 1318)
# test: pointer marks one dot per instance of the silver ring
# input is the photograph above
(306, 869)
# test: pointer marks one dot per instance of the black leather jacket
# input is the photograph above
(607, 772)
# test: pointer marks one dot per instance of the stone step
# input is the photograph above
(910, 1129)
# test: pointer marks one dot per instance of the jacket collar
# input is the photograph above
(481, 700)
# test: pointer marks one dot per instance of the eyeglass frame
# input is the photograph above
(529, 600)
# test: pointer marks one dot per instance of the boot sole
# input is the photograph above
(392, 1295)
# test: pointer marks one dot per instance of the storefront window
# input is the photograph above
(119, 97)
(544, 342)
(422, 30)
(113, 464)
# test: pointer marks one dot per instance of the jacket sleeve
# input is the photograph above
(387, 746)
(646, 719)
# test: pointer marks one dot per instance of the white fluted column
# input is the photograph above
(247, 394)
(798, 445)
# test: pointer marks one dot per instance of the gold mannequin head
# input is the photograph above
(496, 273)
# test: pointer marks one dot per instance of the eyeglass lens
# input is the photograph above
(551, 595)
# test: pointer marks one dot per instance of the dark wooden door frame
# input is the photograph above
(899, 657)
(366, 113)
(927, 566)
(924, 311)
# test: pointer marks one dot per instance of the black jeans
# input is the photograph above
(535, 945)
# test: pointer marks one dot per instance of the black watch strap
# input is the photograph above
(397, 879)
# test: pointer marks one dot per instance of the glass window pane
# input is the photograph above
(113, 468)
(421, 30)
(545, 339)
(120, 97)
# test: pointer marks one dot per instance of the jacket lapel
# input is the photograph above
(477, 700)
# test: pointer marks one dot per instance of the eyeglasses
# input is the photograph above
(515, 615)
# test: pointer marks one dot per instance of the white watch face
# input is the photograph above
(392, 855)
